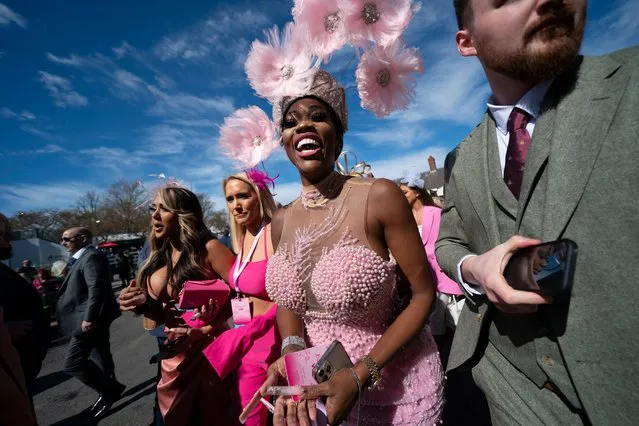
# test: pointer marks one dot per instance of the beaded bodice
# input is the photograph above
(324, 268)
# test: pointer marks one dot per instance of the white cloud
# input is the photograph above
(215, 35)
(23, 116)
(128, 83)
(414, 162)
(35, 131)
(391, 134)
(7, 16)
(123, 84)
(287, 191)
(27, 115)
(125, 49)
(615, 30)
(47, 149)
(28, 196)
(184, 105)
(61, 90)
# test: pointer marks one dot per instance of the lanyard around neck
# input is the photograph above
(239, 266)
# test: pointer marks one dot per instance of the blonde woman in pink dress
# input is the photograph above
(333, 277)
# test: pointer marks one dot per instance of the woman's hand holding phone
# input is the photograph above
(206, 313)
(132, 297)
(341, 392)
(287, 411)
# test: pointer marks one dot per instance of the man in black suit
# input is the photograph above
(86, 308)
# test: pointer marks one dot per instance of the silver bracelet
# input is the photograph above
(293, 341)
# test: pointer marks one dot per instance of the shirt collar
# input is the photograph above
(78, 253)
(530, 102)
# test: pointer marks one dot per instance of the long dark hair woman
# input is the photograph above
(183, 249)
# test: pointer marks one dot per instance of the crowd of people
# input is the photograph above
(412, 291)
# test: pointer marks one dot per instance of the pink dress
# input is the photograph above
(325, 271)
(187, 381)
(249, 349)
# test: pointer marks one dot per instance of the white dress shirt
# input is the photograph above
(78, 253)
(531, 103)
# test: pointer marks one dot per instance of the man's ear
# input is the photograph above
(465, 44)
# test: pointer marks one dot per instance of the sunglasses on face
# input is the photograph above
(68, 239)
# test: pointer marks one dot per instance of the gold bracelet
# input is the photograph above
(373, 370)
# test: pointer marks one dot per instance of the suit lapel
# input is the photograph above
(68, 276)
(477, 180)
(585, 115)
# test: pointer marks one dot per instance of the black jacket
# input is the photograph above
(86, 294)
(21, 302)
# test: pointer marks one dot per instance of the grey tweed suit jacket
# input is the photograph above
(586, 146)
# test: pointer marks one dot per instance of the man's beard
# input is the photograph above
(554, 57)
(6, 253)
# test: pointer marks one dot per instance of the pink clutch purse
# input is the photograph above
(197, 293)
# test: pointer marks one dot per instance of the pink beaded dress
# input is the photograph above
(325, 271)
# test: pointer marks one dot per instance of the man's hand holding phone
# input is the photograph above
(487, 270)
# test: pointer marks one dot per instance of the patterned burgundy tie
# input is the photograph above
(518, 144)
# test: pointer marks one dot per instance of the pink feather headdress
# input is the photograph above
(281, 66)
(386, 77)
(248, 137)
(284, 68)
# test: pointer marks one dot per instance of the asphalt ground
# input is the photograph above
(61, 400)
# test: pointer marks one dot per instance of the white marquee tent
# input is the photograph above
(40, 252)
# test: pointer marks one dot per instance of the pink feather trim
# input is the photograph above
(248, 137)
(322, 23)
(379, 21)
(261, 179)
(386, 78)
(280, 66)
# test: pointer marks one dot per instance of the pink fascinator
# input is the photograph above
(385, 77)
(248, 137)
(261, 179)
(380, 21)
(281, 66)
(322, 23)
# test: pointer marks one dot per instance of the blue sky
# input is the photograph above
(91, 92)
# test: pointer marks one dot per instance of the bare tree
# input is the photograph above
(208, 207)
(218, 221)
(122, 212)
(89, 203)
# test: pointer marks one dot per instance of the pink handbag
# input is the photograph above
(197, 293)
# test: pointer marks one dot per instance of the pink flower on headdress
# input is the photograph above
(281, 66)
(248, 136)
(260, 179)
(385, 78)
(381, 21)
(322, 22)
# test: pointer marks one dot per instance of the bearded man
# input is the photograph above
(553, 157)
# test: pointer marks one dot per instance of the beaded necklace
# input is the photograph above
(315, 196)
